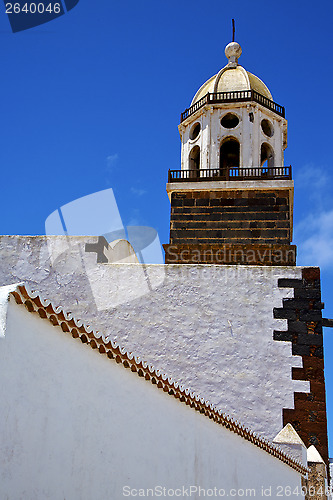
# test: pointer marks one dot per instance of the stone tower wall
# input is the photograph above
(230, 217)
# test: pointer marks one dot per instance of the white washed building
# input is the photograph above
(204, 375)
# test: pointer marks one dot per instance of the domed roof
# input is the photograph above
(232, 77)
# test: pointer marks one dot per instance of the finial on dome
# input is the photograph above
(233, 51)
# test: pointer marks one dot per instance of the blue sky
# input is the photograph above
(92, 100)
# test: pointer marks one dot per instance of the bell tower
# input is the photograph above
(232, 199)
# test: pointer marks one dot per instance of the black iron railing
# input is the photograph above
(237, 96)
(231, 174)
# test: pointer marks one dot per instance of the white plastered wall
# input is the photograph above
(249, 134)
(209, 327)
(76, 425)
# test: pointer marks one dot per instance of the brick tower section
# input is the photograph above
(304, 316)
(231, 227)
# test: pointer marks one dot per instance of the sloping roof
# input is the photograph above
(57, 316)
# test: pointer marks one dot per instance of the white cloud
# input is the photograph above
(314, 185)
(311, 176)
(138, 192)
(315, 236)
(111, 160)
(314, 233)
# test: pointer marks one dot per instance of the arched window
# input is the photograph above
(194, 161)
(195, 131)
(229, 157)
(266, 156)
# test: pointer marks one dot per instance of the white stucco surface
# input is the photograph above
(248, 133)
(208, 327)
(75, 425)
(230, 185)
(291, 443)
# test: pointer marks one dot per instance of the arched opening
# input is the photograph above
(194, 161)
(230, 120)
(267, 128)
(229, 157)
(266, 157)
(195, 131)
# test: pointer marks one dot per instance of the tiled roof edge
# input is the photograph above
(96, 340)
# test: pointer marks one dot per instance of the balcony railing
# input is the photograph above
(231, 174)
(237, 96)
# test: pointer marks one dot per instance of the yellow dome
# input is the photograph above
(232, 77)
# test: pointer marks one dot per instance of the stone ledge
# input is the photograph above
(229, 254)
(262, 185)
